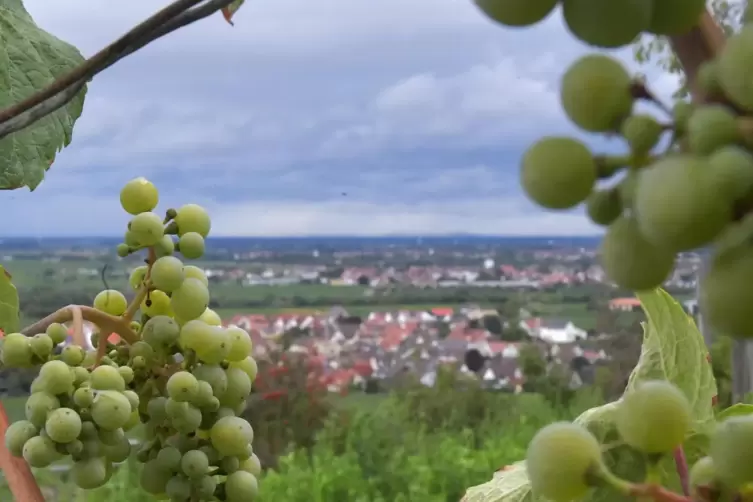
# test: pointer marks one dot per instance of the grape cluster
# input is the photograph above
(564, 460)
(177, 372)
(686, 181)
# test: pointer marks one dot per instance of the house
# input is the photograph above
(624, 304)
(553, 330)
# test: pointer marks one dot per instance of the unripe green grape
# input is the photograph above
(191, 245)
(194, 272)
(154, 478)
(147, 228)
(63, 425)
(123, 250)
(604, 206)
(735, 74)
(708, 78)
(39, 452)
(654, 418)
(687, 216)
(214, 348)
(110, 410)
(731, 169)
(83, 397)
(205, 487)
(702, 475)
(118, 451)
(516, 12)
(213, 374)
(248, 366)
(160, 331)
(558, 172)
(559, 459)
(178, 488)
(182, 386)
(725, 292)
(190, 300)
(127, 373)
(156, 303)
(607, 24)
(168, 458)
(630, 260)
(91, 473)
(211, 317)
(681, 113)
(711, 127)
(139, 196)
(194, 464)
(17, 434)
(252, 465)
(731, 453)
(230, 435)
(57, 332)
(72, 355)
(642, 133)
(193, 218)
(130, 240)
(675, 17)
(56, 376)
(136, 279)
(595, 93)
(107, 378)
(241, 486)
(240, 344)
(165, 246)
(16, 351)
(167, 274)
(111, 301)
(41, 345)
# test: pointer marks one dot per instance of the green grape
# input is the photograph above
(174, 409)
(241, 486)
(107, 378)
(193, 218)
(194, 464)
(39, 452)
(733, 459)
(16, 351)
(516, 12)
(123, 250)
(191, 245)
(675, 17)
(63, 425)
(194, 333)
(735, 75)
(182, 386)
(204, 395)
(118, 451)
(630, 260)
(205, 487)
(127, 373)
(75, 448)
(558, 172)
(559, 459)
(165, 246)
(252, 465)
(642, 133)
(230, 464)
(41, 345)
(595, 93)
(240, 344)
(141, 349)
(110, 438)
(688, 216)
(211, 317)
(154, 478)
(136, 279)
(188, 421)
(147, 228)
(238, 387)
(56, 376)
(156, 303)
(57, 332)
(80, 375)
(133, 398)
(91, 473)
(731, 169)
(607, 24)
(711, 127)
(194, 272)
(167, 274)
(213, 374)
(17, 434)
(111, 301)
(725, 292)
(681, 113)
(139, 196)
(168, 459)
(178, 488)
(161, 331)
(708, 78)
(214, 348)
(91, 448)
(190, 300)
(131, 241)
(702, 474)
(248, 366)
(230, 435)
(604, 206)
(72, 355)
(654, 417)
(183, 443)
(110, 410)
(155, 408)
(83, 397)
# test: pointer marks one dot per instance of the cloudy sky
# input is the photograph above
(418, 110)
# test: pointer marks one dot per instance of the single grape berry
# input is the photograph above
(139, 196)
(711, 127)
(654, 417)
(730, 451)
(642, 133)
(595, 93)
(607, 24)
(516, 12)
(703, 476)
(558, 172)
(604, 206)
(560, 459)
(731, 169)
(725, 293)
(735, 74)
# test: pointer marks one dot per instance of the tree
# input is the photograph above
(43, 81)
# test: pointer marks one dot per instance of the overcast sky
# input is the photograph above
(418, 110)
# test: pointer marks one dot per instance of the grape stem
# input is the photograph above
(143, 291)
(657, 493)
(107, 323)
(681, 464)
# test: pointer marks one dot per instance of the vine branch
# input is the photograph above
(40, 104)
(107, 323)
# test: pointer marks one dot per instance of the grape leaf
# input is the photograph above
(31, 59)
(229, 11)
(9, 306)
(673, 349)
(736, 410)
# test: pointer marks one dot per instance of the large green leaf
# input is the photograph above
(9, 308)
(30, 59)
(673, 349)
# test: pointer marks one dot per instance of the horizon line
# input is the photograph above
(336, 236)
